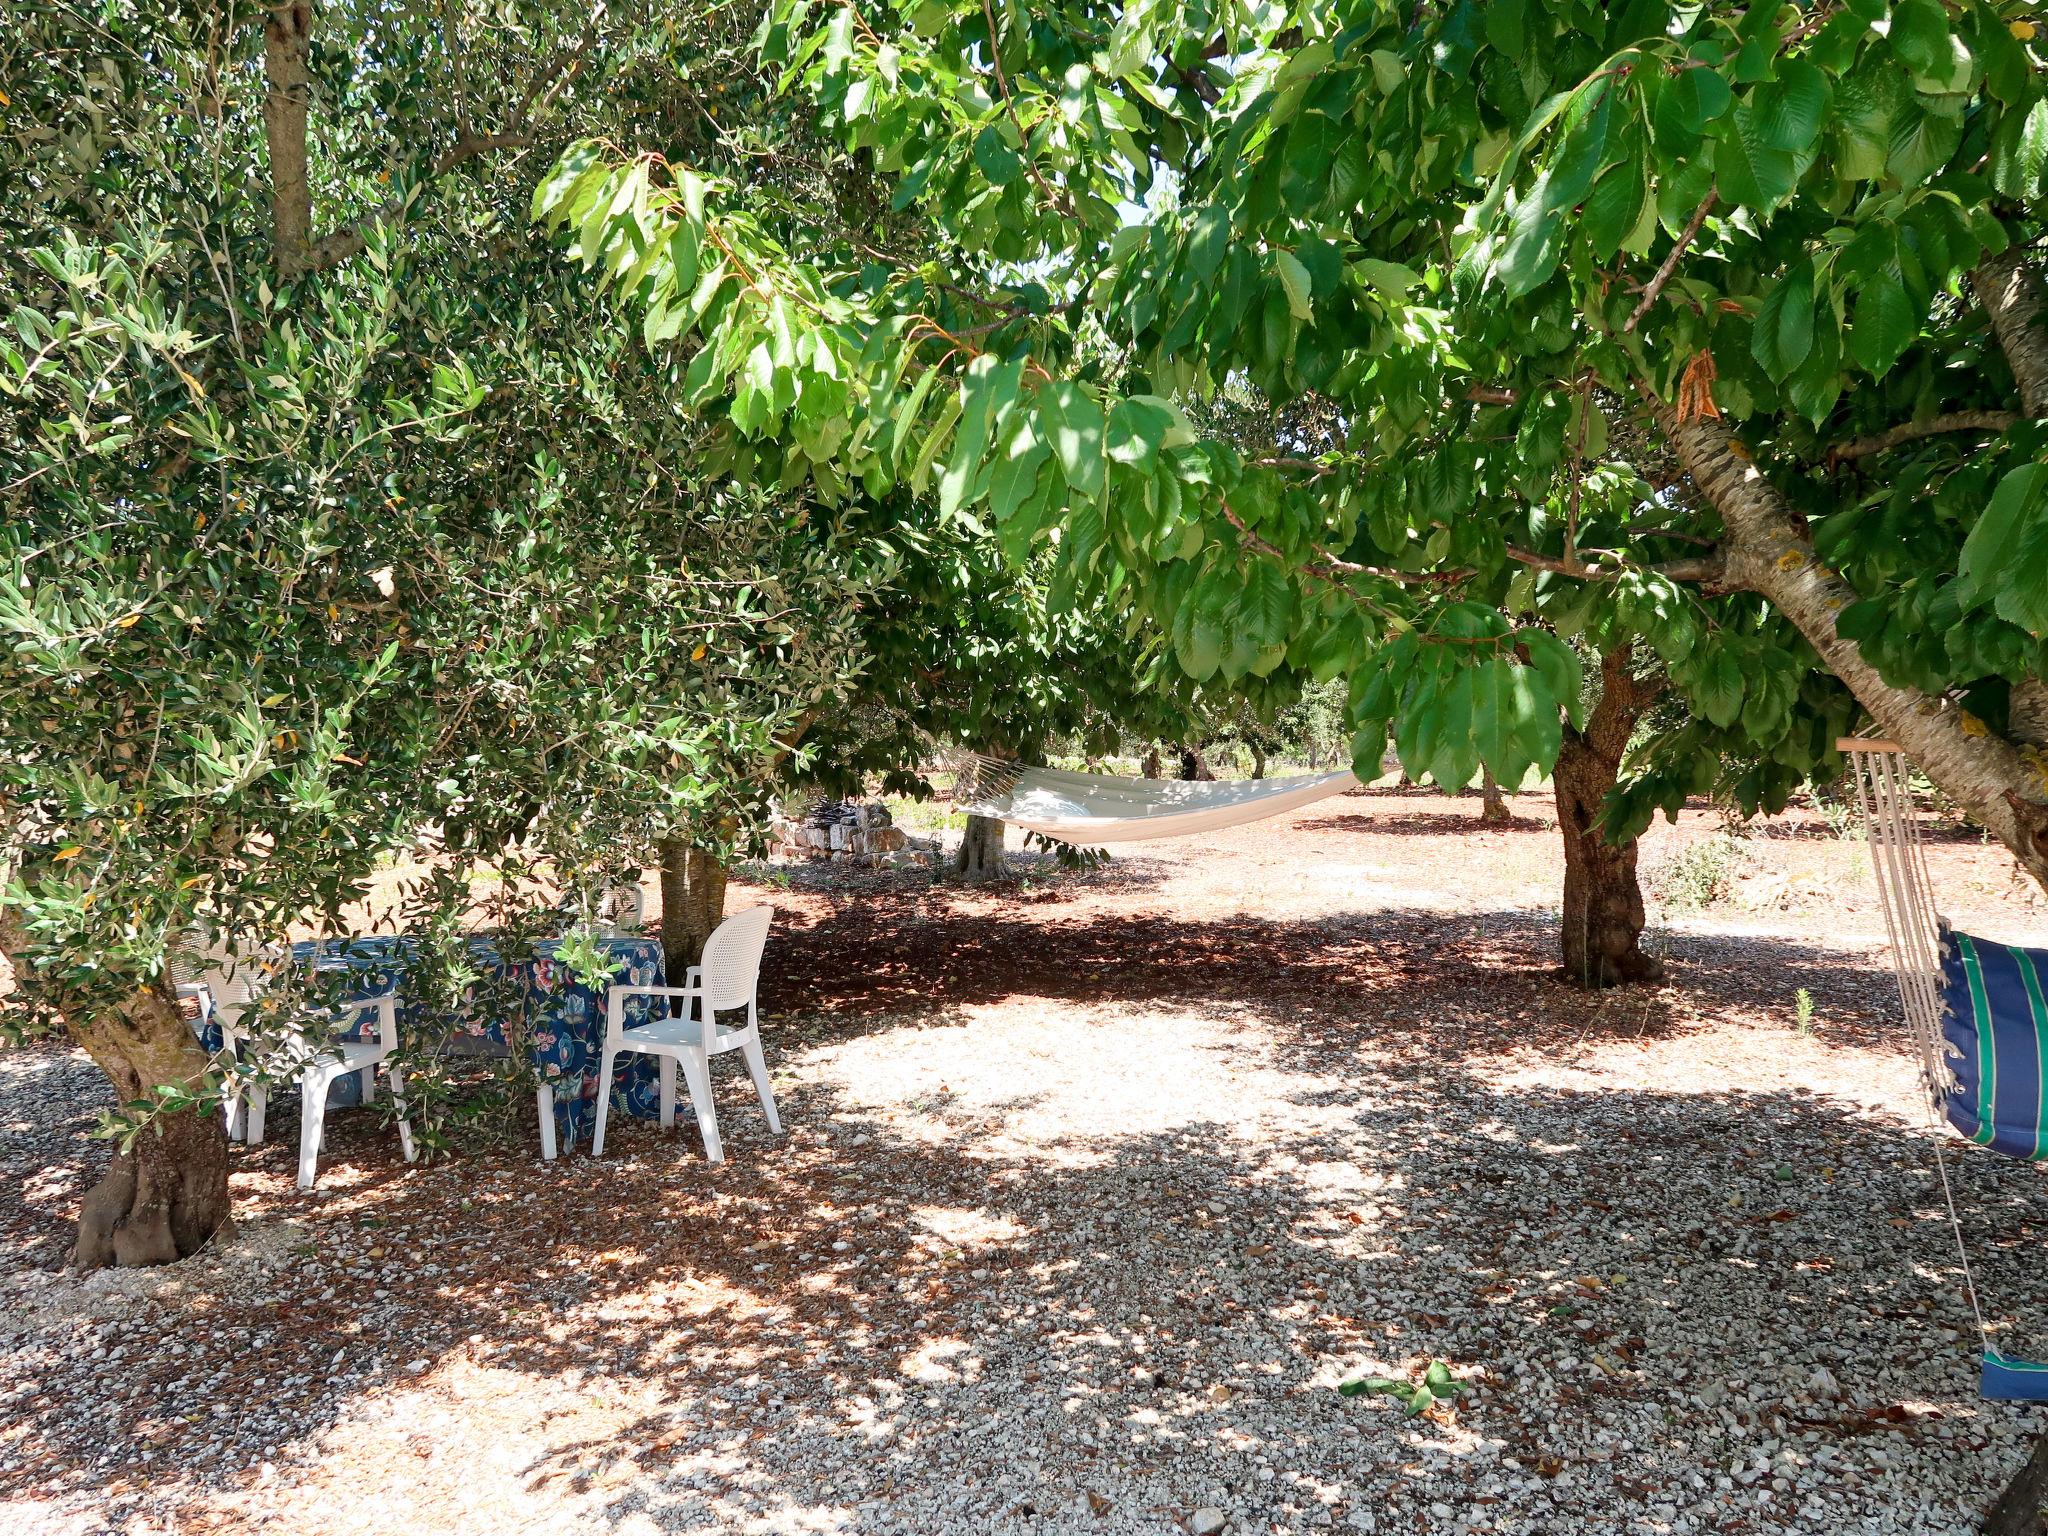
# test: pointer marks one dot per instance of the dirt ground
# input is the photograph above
(1094, 1187)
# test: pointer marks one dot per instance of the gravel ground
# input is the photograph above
(1094, 1189)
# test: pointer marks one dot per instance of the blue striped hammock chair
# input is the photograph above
(1979, 1014)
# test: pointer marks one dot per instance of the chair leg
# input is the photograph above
(668, 1092)
(369, 1076)
(604, 1103)
(252, 1115)
(405, 1141)
(697, 1074)
(544, 1101)
(312, 1123)
(757, 1067)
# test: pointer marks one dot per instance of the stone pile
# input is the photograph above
(839, 829)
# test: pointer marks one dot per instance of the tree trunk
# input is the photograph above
(1258, 760)
(2012, 297)
(287, 93)
(1493, 806)
(1150, 767)
(1770, 553)
(692, 903)
(164, 1198)
(1602, 922)
(980, 856)
(1192, 765)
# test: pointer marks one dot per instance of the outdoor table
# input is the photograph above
(563, 1019)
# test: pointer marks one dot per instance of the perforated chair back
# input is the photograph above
(732, 958)
(233, 978)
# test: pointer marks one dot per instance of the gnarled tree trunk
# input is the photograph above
(692, 903)
(1194, 766)
(1602, 922)
(980, 855)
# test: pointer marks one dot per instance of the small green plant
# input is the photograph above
(1701, 874)
(1438, 1385)
(1802, 1010)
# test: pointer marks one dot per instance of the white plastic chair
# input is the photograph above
(728, 978)
(227, 983)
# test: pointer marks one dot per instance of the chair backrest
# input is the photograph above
(622, 910)
(732, 958)
(233, 977)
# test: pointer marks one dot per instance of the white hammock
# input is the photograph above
(1091, 809)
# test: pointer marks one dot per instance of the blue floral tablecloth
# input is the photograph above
(538, 1000)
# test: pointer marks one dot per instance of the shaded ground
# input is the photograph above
(1094, 1189)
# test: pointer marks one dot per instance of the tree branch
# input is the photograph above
(1328, 566)
(1670, 264)
(287, 93)
(337, 246)
(2013, 298)
(1913, 431)
(1708, 569)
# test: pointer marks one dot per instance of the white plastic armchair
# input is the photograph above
(227, 982)
(728, 980)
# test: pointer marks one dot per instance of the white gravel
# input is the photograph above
(1064, 1265)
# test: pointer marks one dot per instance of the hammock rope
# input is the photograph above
(1091, 809)
(1920, 949)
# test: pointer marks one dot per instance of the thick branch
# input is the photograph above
(288, 89)
(2012, 295)
(1913, 431)
(1769, 552)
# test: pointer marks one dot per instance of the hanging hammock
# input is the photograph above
(1091, 809)
(1976, 1009)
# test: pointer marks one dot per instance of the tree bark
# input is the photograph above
(287, 94)
(1602, 923)
(1258, 760)
(980, 855)
(1193, 766)
(692, 903)
(1150, 766)
(1769, 552)
(2014, 300)
(164, 1198)
(1493, 806)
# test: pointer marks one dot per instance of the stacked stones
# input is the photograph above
(839, 829)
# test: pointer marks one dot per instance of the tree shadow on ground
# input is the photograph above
(1638, 1286)
(1339, 1179)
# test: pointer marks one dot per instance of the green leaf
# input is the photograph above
(1694, 98)
(1715, 684)
(1790, 110)
(986, 393)
(1749, 170)
(1884, 323)
(1613, 208)
(1070, 419)
(1784, 326)
(1266, 605)
(2019, 152)
(1993, 568)
(1559, 666)
(1208, 242)
(999, 163)
(1919, 36)
(1295, 279)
